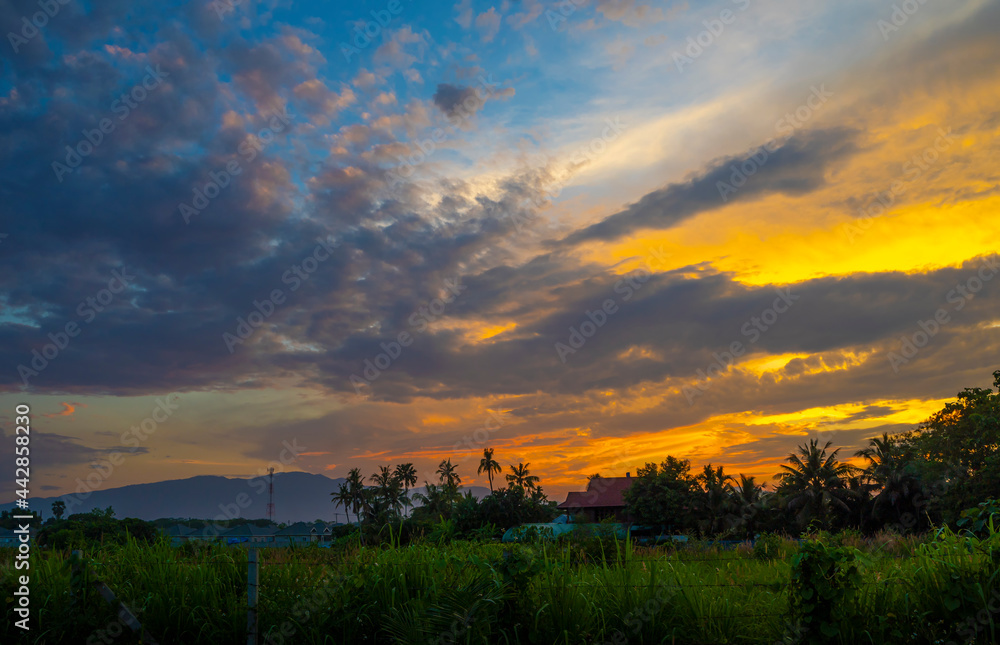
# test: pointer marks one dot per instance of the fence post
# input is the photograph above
(80, 582)
(253, 582)
(77, 587)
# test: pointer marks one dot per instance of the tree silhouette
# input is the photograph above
(488, 465)
(891, 473)
(343, 497)
(814, 482)
(718, 488)
(407, 475)
(521, 477)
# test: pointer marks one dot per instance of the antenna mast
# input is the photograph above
(270, 495)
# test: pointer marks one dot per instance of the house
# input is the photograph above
(304, 533)
(8, 537)
(179, 534)
(604, 498)
(249, 533)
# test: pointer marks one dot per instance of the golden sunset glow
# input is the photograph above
(606, 258)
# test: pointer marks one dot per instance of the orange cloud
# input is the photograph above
(67, 411)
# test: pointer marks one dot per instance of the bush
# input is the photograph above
(825, 582)
(769, 546)
(982, 519)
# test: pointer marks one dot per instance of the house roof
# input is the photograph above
(602, 492)
(178, 530)
(249, 530)
(305, 528)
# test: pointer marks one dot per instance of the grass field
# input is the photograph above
(907, 591)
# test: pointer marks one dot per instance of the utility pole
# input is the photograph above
(270, 495)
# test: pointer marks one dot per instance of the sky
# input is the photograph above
(587, 234)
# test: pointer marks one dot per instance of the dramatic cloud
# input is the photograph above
(308, 227)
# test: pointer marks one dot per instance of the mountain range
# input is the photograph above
(298, 496)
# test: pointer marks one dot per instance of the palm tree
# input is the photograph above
(450, 480)
(488, 465)
(389, 490)
(814, 482)
(447, 473)
(343, 497)
(718, 488)
(58, 508)
(407, 475)
(890, 472)
(748, 498)
(356, 486)
(521, 477)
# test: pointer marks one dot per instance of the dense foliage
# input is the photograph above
(908, 483)
(96, 527)
(939, 588)
(442, 511)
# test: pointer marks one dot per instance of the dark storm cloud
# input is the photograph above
(193, 281)
(683, 321)
(53, 452)
(450, 99)
(797, 167)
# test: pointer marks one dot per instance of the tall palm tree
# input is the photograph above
(343, 497)
(521, 477)
(389, 490)
(488, 465)
(448, 474)
(748, 491)
(748, 498)
(356, 486)
(407, 476)
(718, 487)
(814, 482)
(892, 474)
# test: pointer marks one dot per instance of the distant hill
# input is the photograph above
(298, 497)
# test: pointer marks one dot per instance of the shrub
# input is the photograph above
(769, 546)
(825, 581)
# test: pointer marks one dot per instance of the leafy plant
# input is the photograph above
(825, 581)
(979, 520)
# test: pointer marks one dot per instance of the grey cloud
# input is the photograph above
(797, 167)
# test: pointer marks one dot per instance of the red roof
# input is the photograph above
(601, 492)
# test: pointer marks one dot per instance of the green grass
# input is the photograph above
(467, 592)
